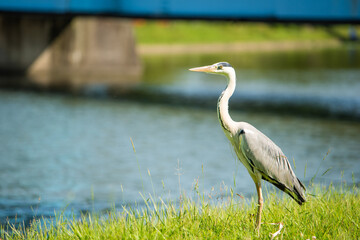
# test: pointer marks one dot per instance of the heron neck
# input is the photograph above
(223, 104)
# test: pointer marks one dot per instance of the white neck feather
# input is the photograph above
(223, 103)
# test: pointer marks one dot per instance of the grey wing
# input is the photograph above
(266, 157)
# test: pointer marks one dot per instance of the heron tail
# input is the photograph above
(298, 192)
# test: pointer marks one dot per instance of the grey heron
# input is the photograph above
(262, 157)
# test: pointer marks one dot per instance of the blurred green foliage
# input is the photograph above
(180, 31)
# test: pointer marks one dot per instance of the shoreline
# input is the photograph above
(230, 218)
(235, 47)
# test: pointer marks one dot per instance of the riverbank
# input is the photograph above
(201, 37)
(329, 213)
(235, 47)
(204, 32)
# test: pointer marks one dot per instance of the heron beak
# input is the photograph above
(207, 69)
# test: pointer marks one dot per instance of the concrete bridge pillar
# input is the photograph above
(60, 52)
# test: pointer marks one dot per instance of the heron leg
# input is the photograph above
(260, 205)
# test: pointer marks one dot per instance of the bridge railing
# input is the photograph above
(336, 11)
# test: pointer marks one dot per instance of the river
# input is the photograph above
(77, 154)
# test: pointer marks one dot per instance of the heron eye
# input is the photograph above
(220, 67)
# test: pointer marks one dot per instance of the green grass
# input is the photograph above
(172, 32)
(330, 213)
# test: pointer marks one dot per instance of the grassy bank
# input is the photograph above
(192, 32)
(329, 214)
(204, 37)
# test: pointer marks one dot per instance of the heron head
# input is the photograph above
(217, 68)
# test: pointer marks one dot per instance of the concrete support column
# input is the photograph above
(69, 53)
(24, 38)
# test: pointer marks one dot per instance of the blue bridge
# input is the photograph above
(323, 11)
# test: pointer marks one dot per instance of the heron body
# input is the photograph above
(262, 157)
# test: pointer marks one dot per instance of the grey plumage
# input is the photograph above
(266, 158)
(262, 157)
